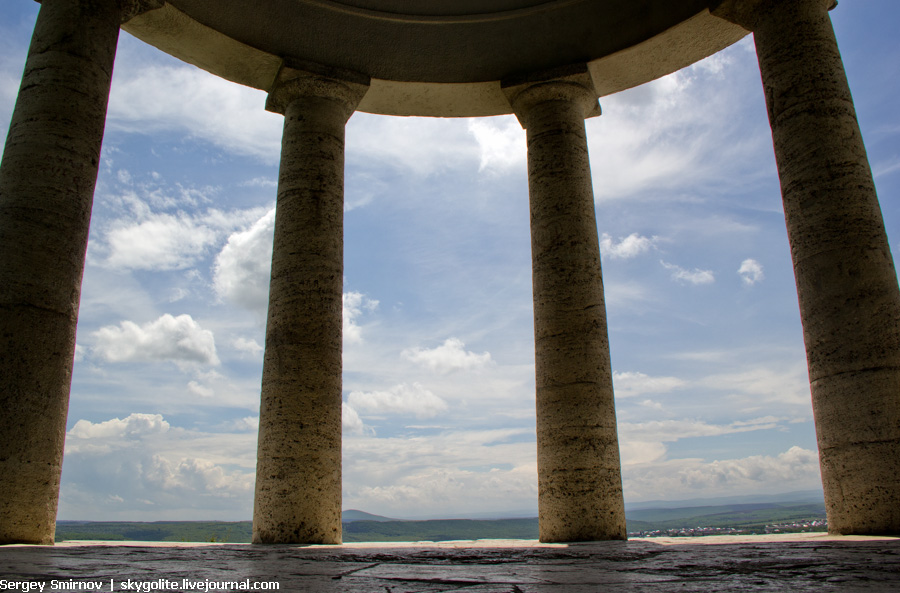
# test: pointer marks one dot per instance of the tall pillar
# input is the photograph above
(47, 179)
(846, 281)
(298, 469)
(579, 476)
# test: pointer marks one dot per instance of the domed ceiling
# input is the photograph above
(411, 47)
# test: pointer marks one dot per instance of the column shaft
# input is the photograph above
(47, 179)
(846, 281)
(298, 476)
(579, 477)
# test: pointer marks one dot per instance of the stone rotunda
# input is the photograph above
(547, 62)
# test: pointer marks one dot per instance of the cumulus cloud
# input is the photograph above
(242, 268)
(350, 420)
(447, 472)
(160, 242)
(501, 141)
(177, 339)
(135, 425)
(354, 305)
(192, 475)
(626, 248)
(152, 470)
(786, 466)
(751, 272)
(403, 399)
(241, 275)
(433, 489)
(631, 384)
(448, 357)
(695, 276)
(794, 469)
(247, 345)
(147, 237)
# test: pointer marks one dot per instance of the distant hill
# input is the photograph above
(157, 531)
(351, 515)
(796, 497)
(359, 526)
(437, 530)
(750, 517)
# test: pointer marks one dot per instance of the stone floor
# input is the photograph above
(808, 562)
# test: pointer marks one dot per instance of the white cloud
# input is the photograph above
(442, 474)
(665, 138)
(241, 271)
(794, 469)
(191, 475)
(631, 246)
(177, 339)
(354, 305)
(266, 182)
(695, 276)
(246, 424)
(432, 490)
(786, 466)
(401, 399)
(201, 390)
(667, 431)
(135, 425)
(762, 387)
(449, 357)
(751, 272)
(645, 442)
(421, 146)
(241, 275)
(146, 99)
(159, 242)
(247, 345)
(632, 452)
(350, 420)
(146, 237)
(631, 384)
(501, 140)
(154, 471)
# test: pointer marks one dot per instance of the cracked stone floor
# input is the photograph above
(795, 563)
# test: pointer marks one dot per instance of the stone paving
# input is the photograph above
(809, 563)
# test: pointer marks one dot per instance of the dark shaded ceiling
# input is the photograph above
(441, 41)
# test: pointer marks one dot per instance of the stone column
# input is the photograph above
(47, 179)
(298, 471)
(579, 477)
(846, 281)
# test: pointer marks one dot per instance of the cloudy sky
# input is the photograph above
(710, 374)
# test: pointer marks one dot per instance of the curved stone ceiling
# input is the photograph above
(433, 57)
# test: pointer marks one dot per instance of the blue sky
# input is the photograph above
(710, 372)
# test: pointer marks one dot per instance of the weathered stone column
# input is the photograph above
(579, 477)
(298, 470)
(846, 282)
(47, 182)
